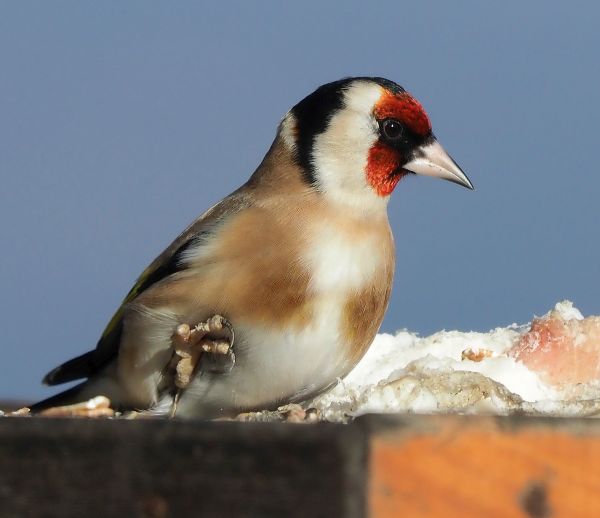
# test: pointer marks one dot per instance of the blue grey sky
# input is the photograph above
(109, 111)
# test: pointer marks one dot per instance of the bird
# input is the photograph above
(299, 260)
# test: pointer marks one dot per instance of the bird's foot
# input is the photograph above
(205, 341)
(201, 347)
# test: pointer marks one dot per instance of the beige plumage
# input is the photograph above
(300, 260)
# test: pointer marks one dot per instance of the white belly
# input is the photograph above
(272, 367)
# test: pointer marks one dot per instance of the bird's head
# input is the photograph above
(356, 138)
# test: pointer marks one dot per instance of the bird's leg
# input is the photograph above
(190, 344)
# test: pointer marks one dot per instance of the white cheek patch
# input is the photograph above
(341, 152)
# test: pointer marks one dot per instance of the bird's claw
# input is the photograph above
(201, 347)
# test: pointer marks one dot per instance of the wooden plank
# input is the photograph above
(413, 466)
(484, 467)
(158, 469)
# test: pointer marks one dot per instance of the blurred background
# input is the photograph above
(110, 111)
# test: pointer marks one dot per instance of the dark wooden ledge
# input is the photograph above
(381, 466)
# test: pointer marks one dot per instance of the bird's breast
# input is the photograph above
(351, 274)
(305, 307)
(349, 278)
(342, 262)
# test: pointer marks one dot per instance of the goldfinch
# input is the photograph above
(299, 260)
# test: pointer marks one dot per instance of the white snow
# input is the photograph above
(568, 311)
(407, 373)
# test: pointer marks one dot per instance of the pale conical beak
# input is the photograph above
(432, 160)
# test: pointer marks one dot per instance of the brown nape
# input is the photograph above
(278, 171)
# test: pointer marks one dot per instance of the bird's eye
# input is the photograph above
(392, 129)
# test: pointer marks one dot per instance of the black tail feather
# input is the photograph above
(81, 367)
